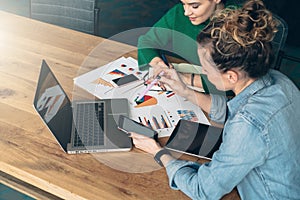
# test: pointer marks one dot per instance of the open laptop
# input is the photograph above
(195, 139)
(80, 126)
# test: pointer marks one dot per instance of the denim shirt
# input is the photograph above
(260, 152)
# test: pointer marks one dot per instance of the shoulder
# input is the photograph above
(176, 8)
(175, 19)
(174, 13)
(279, 94)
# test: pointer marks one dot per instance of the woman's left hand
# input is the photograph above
(145, 143)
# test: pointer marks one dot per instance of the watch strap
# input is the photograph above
(158, 155)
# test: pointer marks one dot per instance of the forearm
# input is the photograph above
(200, 99)
(165, 159)
(192, 79)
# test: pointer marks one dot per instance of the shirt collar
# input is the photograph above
(249, 91)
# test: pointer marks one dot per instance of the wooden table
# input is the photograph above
(31, 159)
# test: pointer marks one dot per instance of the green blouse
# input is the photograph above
(174, 33)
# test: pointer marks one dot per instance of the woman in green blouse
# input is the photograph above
(176, 33)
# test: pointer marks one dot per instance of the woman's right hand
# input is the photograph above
(174, 81)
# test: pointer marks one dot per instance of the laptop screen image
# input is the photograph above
(54, 106)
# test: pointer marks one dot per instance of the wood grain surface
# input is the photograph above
(28, 150)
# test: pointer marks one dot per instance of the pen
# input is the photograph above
(154, 81)
(165, 59)
(149, 86)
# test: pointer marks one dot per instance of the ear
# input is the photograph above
(217, 1)
(232, 76)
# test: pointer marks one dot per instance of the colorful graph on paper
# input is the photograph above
(102, 82)
(187, 115)
(117, 72)
(147, 100)
(155, 121)
(161, 110)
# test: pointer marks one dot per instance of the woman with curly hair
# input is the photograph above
(260, 149)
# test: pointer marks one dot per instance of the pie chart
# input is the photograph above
(146, 101)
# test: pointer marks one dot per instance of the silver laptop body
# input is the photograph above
(80, 126)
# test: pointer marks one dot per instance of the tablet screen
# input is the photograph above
(129, 125)
(195, 138)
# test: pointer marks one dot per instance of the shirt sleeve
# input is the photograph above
(240, 152)
(157, 37)
(218, 108)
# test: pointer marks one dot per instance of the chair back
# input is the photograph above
(279, 40)
(74, 14)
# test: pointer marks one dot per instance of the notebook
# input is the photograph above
(80, 126)
(195, 139)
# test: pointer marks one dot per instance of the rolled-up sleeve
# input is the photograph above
(180, 172)
(239, 153)
(218, 108)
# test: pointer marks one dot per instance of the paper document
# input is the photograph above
(159, 110)
(99, 82)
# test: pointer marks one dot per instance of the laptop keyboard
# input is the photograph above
(89, 123)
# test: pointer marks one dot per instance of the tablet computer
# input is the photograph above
(129, 125)
(195, 139)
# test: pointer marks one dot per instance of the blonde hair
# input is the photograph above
(241, 38)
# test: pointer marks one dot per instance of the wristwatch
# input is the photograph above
(159, 154)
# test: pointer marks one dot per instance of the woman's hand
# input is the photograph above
(145, 143)
(174, 81)
(158, 65)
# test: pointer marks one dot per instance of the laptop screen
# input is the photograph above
(53, 106)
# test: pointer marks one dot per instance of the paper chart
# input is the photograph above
(120, 68)
(98, 81)
(164, 113)
(160, 110)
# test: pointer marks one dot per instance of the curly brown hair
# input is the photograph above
(241, 38)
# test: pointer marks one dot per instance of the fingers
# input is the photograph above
(140, 141)
(171, 66)
(166, 81)
(133, 134)
(137, 136)
(169, 74)
(145, 143)
(159, 66)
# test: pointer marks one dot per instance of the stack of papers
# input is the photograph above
(159, 110)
